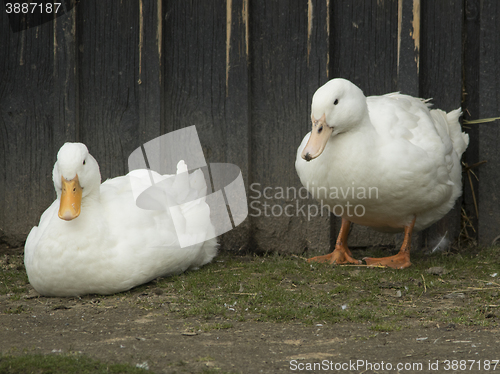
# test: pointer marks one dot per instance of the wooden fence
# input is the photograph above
(115, 74)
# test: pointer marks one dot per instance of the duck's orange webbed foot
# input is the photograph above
(341, 255)
(398, 261)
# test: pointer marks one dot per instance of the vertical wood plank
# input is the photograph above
(65, 77)
(150, 79)
(408, 64)
(489, 133)
(194, 66)
(108, 82)
(441, 55)
(236, 115)
(195, 60)
(470, 107)
(441, 79)
(289, 62)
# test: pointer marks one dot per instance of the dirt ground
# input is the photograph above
(116, 330)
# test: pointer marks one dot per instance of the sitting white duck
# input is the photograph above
(390, 157)
(94, 238)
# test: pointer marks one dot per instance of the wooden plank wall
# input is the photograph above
(489, 134)
(117, 74)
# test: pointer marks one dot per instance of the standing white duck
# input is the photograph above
(94, 238)
(387, 162)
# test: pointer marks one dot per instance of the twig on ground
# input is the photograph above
(425, 287)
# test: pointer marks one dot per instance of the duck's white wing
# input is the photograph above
(177, 214)
(424, 146)
(405, 121)
(407, 117)
(397, 116)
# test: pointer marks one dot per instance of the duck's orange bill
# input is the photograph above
(71, 199)
(317, 141)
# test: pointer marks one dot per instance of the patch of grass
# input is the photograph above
(216, 326)
(62, 364)
(385, 327)
(283, 289)
(13, 278)
(17, 310)
(278, 288)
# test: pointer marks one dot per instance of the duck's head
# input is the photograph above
(75, 175)
(337, 107)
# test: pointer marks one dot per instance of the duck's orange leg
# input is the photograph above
(400, 260)
(341, 254)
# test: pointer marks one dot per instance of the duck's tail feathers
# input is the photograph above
(448, 123)
(460, 139)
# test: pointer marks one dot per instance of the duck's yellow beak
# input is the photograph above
(71, 199)
(317, 141)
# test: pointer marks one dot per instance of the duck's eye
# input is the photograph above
(336, 102)
(84, 162)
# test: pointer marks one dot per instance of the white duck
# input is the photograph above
(94, 238)
(387, 162)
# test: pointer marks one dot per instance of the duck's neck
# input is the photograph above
(91, 206)
(360, 135)
(365, 127)
(91, 220)
(94, 197)
(346, 150)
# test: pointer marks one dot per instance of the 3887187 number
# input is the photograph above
(471, 365)
(32, 7)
